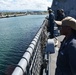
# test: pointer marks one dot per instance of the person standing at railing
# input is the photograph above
(51, 23)
(66, 60)
(60, 15)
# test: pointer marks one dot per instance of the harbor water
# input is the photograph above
(16, 33)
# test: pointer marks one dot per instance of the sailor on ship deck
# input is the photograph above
(66, 60)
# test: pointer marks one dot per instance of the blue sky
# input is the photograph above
(24, 4)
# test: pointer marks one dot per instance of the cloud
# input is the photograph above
(24, 4)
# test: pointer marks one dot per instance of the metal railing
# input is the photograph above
(31, 61)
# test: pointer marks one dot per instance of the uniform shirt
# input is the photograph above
(51, 23)
(51, 17)
(66, 60)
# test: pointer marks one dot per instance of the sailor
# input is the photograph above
(51, 22)
(66, 59)
(60, 14)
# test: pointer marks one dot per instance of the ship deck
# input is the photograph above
(53, 57)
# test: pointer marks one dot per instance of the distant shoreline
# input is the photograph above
(8, 16)
(16, 14)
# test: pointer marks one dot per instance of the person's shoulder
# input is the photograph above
(52, 14)
(71, 49)
(73, 42)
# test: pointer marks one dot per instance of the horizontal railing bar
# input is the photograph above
(23, 63)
